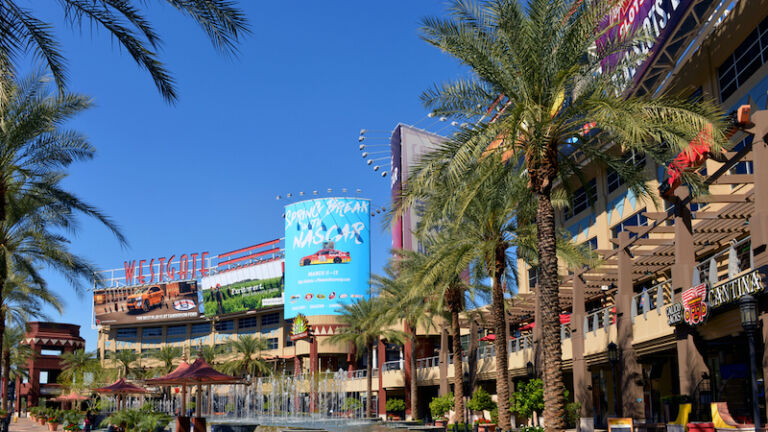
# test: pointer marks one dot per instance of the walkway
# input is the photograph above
(27, 425)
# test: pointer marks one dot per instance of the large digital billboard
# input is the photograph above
(327, 255)
(146, 303)
(250, 287)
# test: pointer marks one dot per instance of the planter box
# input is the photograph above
(53, 426)
(487, 427)
(441, 422)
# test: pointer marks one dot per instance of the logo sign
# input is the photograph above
(734, 289)
(183, 305)
(327, 255)
(300, 328)
(695, 307)
(165, 269)
(675, 314)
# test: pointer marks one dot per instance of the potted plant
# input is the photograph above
(439, 408)
(72, 419)
(43, 416)
(485, 425)
(54, 418)
(481, 402)
(395, 407)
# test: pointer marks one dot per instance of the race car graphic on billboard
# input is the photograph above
(155, 302)
(249, 287)
(327, 255)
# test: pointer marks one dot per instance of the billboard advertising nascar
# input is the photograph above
(327, 255)
(146, 303)
(241, 289)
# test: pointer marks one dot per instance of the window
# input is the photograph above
(152, 332)
(248, 322)
(270, 319)
(48, 376)
(744, 61)
(592, 243)
(202, 328)
(743, 167)
(272, 343)
(612, 177)
(50, 351)
(225, 325)
(636, 219)
(582, 198)
(176, 330)
(532, 278)
(127, 333)
(43, 377)
(172, 339)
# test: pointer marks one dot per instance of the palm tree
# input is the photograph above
(397, 303)
(247, 350)
(76, 365)
(167, 354)
(363, 326)
(35, 210)
(210, 353)
(13, 346)
(24, 33)
(536, 62)
(125, 358)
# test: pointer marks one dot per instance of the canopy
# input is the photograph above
(564, 319)
(199, 372)
(71, 397)
(122, 386)
(488, 338)
(171, 378)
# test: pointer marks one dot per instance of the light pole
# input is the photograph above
(748, 310)
(613, 358)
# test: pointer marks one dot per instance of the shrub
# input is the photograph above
(145, 419)
(395, 405)
(531, 429)
(528, 399)
(439, 406)
(481, 401)
(352, 404)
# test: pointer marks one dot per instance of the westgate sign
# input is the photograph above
(734, 289)
(166, 269)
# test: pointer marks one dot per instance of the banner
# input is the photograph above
(156, 302)
(327, 255)
(242, 289)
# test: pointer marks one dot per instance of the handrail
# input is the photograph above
(651, 299)
(392, 365)
(704, 267)
(519, 344)
(565, 331)
(427, 362)
(599, 319)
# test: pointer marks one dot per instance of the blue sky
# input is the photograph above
(282, 117)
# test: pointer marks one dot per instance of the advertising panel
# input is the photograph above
(144, 303)
(656, 18)
(244, 288)
(327, 255)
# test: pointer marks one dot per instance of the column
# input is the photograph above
(630, 374)
(443, 360)
(690, 362)
(581, 378)
(382, 391)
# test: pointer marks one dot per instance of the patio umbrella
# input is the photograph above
(488, 338)
(71, 397)
(121, 387)
(171, 379)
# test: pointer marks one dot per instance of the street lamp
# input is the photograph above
(613, 358)
(748, 310)
(530, 370)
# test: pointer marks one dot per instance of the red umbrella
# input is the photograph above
(71, 397)
(564, 319)
(121, 387)
(488, 338)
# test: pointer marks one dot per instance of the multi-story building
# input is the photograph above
(47, 341)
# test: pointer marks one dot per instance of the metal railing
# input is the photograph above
(600, 319)
(519, 344)
(428, 362)
(736, 258)
(393, 365)
(486, 351)
(362, 373)
(565, 331)
(653, 299)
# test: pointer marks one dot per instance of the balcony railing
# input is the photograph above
(735, 259)
(521, 343)
(428, 362)
(486, 351)
(393, 365)
(565, 332)
(653, 299)
(599, 319)
(362, 373)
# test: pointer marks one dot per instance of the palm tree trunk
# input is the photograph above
(369, 383)
(554, 405)
(458, 370)
(414, 386)
(500, 343)
(6, 376)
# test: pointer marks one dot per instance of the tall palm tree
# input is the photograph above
(125, 359)
(35, 210)
(248, 360)
(362, 327)
(536, 62)
(210, 353)
(397, 303)
(23, 32)
(13, 343)
(167, 355)
(76, 365)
